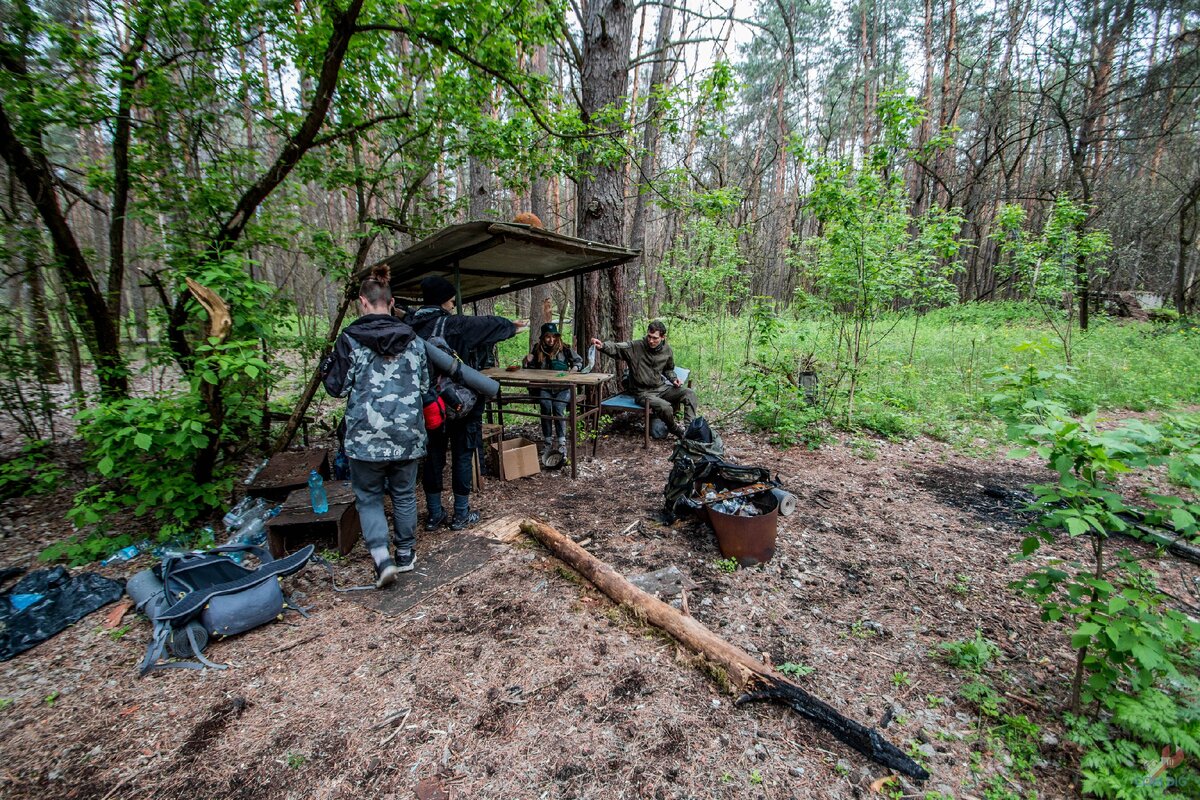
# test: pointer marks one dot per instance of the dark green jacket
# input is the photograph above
(647, 369)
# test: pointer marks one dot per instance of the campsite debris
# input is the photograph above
(288, 471)
(115, 614)
(756, 681)
(62, 600)
(125, 553)
(431, 789)
(254, 473)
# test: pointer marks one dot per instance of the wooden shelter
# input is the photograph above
(484, 259)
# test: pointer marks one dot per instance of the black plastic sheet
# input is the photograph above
(65, 599)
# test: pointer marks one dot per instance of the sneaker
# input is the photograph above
(387, 574)
(437, 521)
(464, 522)
(406, 561)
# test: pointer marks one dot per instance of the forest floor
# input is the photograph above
(520, 680)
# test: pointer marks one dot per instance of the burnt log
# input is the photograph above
(755, 680)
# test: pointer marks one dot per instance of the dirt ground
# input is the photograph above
(520, 680)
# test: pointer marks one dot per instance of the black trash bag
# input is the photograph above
(699, 456)
(65, 599)
(658, 428)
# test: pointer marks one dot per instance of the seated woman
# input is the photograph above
(550, 353)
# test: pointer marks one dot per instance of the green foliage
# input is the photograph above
(795, 669)
(144, 451)
(727, 565)
(772, 379)
(30, 473)
(1051, 266)
(704, 268)
(972, 655)
(1136, 655)
(84, 549)
(874, 254)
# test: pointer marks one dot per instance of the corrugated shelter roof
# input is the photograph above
(485, 259)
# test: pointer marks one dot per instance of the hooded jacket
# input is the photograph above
(379, 362)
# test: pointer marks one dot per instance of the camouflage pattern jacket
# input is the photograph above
(380, 363)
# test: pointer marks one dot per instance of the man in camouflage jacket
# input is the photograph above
(380, 363)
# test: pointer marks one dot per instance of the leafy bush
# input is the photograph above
(144, 450)
(971, 655)
(30, 473)
(1136, 656)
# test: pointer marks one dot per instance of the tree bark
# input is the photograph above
(649, 156)
(607, 30)
(87, 302)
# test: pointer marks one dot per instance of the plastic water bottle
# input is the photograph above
(341, 466)
(239, 513)
(124, 554)
(255, 472)
(316, 493)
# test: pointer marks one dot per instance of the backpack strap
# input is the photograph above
(193, 603)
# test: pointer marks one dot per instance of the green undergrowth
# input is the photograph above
(928, 376)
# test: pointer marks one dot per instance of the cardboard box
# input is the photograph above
(515, 458)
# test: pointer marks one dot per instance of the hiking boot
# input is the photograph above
(406, 561)
(436, 521)
(465, 521)
(675, 430)
(387, 574)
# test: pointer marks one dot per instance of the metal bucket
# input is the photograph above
(751, 540)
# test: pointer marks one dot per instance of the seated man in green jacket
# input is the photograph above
(652, 375)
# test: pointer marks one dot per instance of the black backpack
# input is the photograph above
(698, 457)
(460, 399)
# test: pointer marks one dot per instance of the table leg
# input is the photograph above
(574, 434)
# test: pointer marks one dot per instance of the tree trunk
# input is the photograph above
(607, 30)
(649, 157)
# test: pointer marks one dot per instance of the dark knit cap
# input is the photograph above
(436, 290)
(550, 327)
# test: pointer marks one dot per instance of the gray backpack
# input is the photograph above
(192, 598)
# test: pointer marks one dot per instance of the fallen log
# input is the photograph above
(755, 680)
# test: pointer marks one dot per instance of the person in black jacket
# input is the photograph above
(472, 338)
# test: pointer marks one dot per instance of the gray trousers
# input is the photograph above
(367, 478)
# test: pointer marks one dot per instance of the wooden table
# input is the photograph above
(586, 392)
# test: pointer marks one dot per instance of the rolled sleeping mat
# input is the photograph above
(146, 591)
(472, 378)
(787, 501)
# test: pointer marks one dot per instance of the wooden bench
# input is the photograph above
(628, 403)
